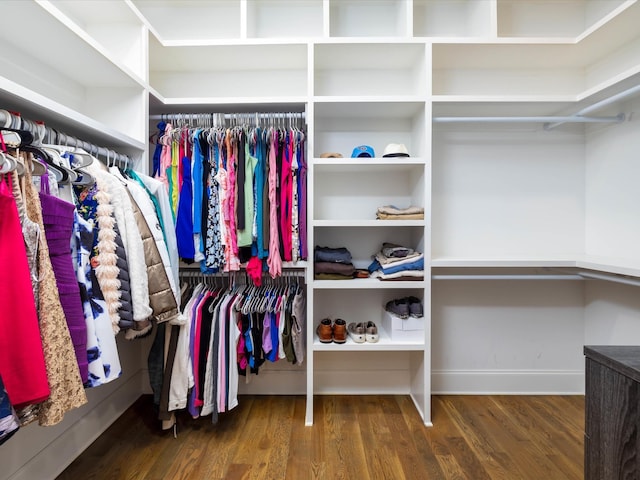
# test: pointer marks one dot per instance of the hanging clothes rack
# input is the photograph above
(551, 122)
(41, 133)
(533, 119)
(230, 119)
(598, 105)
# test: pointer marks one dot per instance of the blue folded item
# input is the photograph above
(333, 255)
(418, 264)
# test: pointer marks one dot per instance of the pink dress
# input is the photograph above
(22, 364)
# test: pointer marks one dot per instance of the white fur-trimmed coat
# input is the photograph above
(132, 241)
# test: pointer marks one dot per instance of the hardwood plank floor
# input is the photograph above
(353, 437)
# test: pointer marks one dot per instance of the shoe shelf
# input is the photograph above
(385, 343)
(369, 306)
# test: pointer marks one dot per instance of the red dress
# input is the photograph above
(22, 364)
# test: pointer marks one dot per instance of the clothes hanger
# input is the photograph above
(61, 175)
(9, 164)
(20, 137)
(61, 163)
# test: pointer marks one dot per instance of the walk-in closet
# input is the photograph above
(426, 201)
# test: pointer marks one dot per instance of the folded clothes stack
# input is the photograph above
(391, 212)
(333, 264)
(396, 262)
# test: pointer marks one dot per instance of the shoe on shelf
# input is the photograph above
(399, 307)
(325, 331)
(371, 333)
(357, 332)
(415, 307)
(339, 331)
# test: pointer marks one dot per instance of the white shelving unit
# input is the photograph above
(497, 196)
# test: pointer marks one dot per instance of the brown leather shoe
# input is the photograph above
(325, 331)
(340, 331)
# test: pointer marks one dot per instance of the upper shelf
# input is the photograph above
(126, 49)
(36, 107)
(379, 69)
(46, 56)
(176, 21)
(230, 71)
(540, 71)
(551, 18)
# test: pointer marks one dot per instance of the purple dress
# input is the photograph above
(58, 218)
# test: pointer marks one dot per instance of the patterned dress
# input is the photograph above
(102, 351)
(67, 391)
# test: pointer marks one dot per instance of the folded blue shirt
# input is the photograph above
(417, 265)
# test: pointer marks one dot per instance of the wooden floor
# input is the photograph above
(353, 437)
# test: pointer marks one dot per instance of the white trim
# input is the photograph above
(507, 382)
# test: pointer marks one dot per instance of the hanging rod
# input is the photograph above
(598, 105)
(507, 277)
(41, 132)
(534, 119)
(611, 278)
(229, 116)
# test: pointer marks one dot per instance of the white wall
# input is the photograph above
(504, 191)
(611, 314)
(612, 193)
(492, 336)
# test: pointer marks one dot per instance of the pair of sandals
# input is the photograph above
(363, 332)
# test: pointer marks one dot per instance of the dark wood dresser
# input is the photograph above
(612, 413)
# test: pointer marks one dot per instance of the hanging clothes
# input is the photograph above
(58, 217)
(63, 374)
(232, 332)
(102, 351)
(22, 364)
(237, 194)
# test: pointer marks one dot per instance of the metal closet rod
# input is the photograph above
(41, 132)
(508, 277)
(611, 278)
(532, 119)
(601, 104)
(581, 275)
(229, 116)
(552, 122)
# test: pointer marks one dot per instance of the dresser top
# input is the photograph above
(624, 359)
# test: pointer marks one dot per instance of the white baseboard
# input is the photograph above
(47, 451)
(508, 382)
